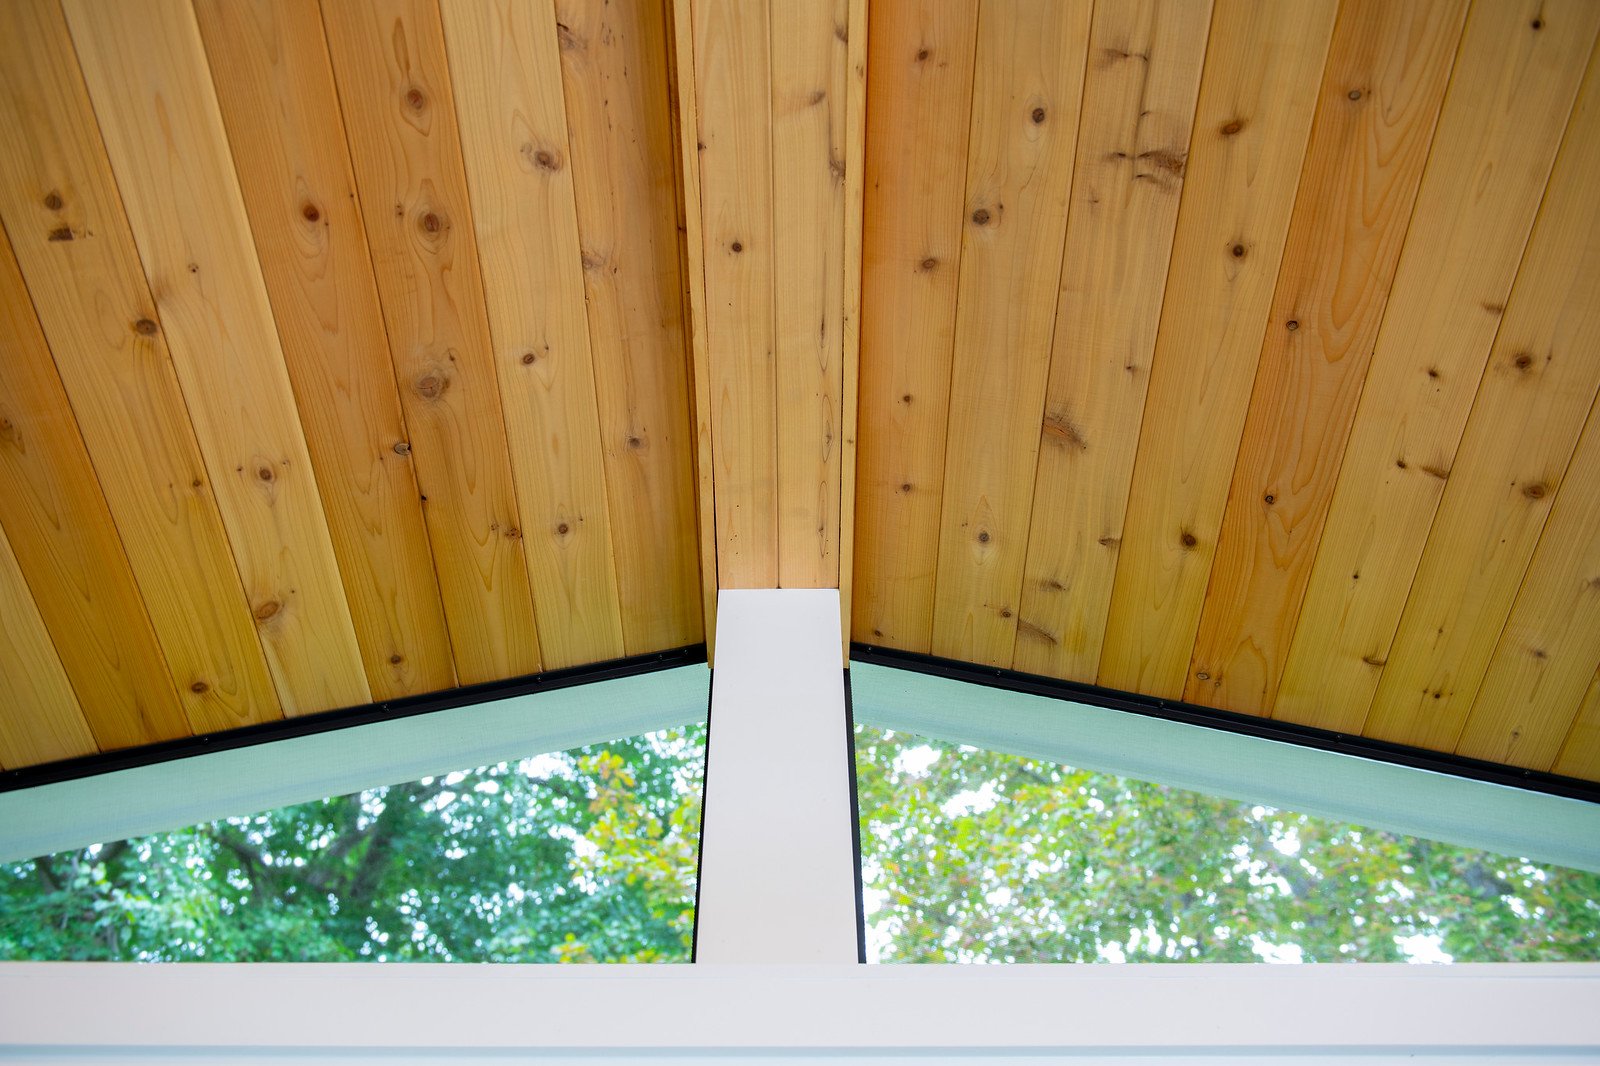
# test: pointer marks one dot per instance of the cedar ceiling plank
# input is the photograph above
(506, 74)
(61, 531)
(1541, 381)
(685, 131)
(1386, 76)
(390, 68)
(269, 63)
(855, 180)
(918, 119)
(1580, 755)
(98, 316)
(1550, 646)
(1502, 122)
(614, 65)
(42, 721)
(1027, 87)
(152, 90)
(1257, 95)
(1138, 108)
(808, 104)
(732, 87)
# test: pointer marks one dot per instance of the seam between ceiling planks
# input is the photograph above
(1378, 245)
(225, 507)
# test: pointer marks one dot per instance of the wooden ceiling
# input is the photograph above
(1235, 351)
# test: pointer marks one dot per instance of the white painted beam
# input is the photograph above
(777, 854)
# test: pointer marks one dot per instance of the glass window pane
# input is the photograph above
(586, 855)
(971, 855)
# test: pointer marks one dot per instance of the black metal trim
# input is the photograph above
(344, 718)
(700, 843)
(855, 819)
(1231, 722)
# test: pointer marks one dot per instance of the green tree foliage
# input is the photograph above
(973, 855)
(586, 855)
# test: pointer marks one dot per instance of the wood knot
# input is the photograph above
(1373, 660)
(513, 533)
(1540, 653)
(145, 327)
(199, 688)
(60, 233)
(906, 398)
(310, 213)
(396, 659)
(563, 529)
(635, 442)
(1355, 94)
(980, 217)
(905, 486)
(928, 264)
(1233, 127)
(1433, 371)
(196, 483)
(1292, 325)
(1523, 361)
(1401, 463)
(431, 386)
(402, 447)
(1270, 498)
(1534, 490)
(264, 473)
(431, 223)
(1037, 114)
(922, 55)
(545, 159)
(983, 536)
(1537, 24)
(816, 97)
(1238, 251)
(529, 358)
(592, 260)
(416, 99)
(1188, 540)
(52, 200)
(1059, 429)
(737, 246)
(1202, 675)
(1005, 612)
(266, 610)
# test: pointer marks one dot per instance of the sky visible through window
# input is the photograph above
(978, 856)
(586, 855)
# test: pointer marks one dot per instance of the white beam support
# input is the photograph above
(777, 854)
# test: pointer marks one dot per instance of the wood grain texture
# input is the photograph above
(1502, 122)
(1257, 96)
(1580, 755)
(808, 106)
(42, 721)
(732, 97)
(918, 120)
(147, 75)
(614, 65)
(62, 534)
(100, 320)
(1138, 106)
(390, 67)
(506, 74)
(1027, 86)
(1387, 71)
(855, 198)
(1541, 381)
(269, 63)
(686, 95)
(1550, 646)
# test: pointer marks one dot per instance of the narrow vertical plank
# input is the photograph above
(732, 89)
(1580, 755)
(506, 74)
(614, 65)
(809, 100)
(1550, 646)
(918, 119)
(62, 535)
(1518, 71)
(1027, 85)
(686, 131)
(1257, 96)
(1387, 72)
(1138, 107)
(42, 721)
(390, 68)
(1541, 381)
(855, 202)
(146, 71)
(100, 320)
(269, 63)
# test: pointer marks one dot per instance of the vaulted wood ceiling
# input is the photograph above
(1228, 350)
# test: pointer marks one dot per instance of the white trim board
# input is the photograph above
(1379, 795)
(202, 788)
